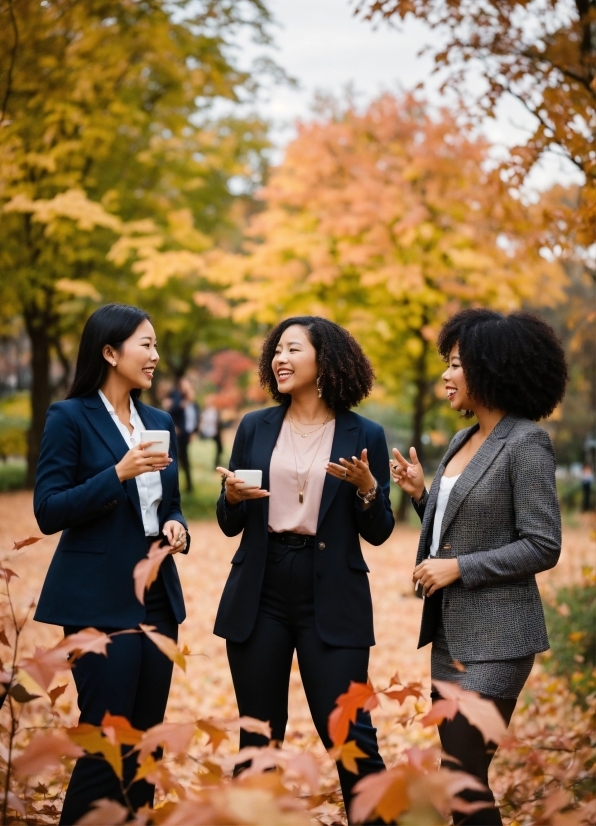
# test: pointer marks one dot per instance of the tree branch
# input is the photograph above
(13, 60)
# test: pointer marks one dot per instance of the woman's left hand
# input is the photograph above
(356, 471)
(434, 573)
(175, 533)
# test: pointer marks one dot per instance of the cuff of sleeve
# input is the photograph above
(466, 571)
(422, 501)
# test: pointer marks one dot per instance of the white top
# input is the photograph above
(148, 484)
(445, 488)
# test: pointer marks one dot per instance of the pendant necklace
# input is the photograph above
(302, 484)
(299, 432)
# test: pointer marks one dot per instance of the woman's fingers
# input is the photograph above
(225, 471)
(414, 456)
(400, 459)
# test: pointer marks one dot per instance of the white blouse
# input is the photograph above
(148, 484)
(445, 488)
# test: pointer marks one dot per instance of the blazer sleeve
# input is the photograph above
(58, 501)
(231, 518)
(376, 522)
(537, 520)
(175, 511)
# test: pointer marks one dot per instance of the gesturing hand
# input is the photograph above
(356, 471)
(236, 494)
(408, 475)
(137, 461)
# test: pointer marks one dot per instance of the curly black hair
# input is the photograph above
(346, 375)
(511, 362)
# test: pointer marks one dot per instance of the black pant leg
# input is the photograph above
(463, 741)
(182, 440)
(133, 682)
(326, 673)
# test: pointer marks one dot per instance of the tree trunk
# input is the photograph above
(419, 410)
(41, 391)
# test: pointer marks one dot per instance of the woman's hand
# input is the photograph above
(356, 471)
(137, 461)
(175, 533)
(236, 494)
(434, 573)
(408, 475)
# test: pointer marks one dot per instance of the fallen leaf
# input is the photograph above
(216, 734)
(408, 690)
(87, 641)
(479, 712)
(346, 754)
(7, 574)
(119, 731)
(19, 693)
(145, 571)
(54, 693)
(43, 666)
(165, 644)
(255, 726)
(175, 737)
(358, 696)
(440, 710)
(31, 540)
(104, 812)
(4, 638)
(45, 751)
(16, 803)
(92, 740)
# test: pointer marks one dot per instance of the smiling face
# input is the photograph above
(295, 361)
(455, 383)
(134, 363)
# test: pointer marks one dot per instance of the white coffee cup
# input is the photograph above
(161, 438)
(251, 478)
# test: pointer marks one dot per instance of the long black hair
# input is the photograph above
(511, 362)
(345, 374)
(112, 324)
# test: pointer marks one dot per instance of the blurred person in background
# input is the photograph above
(299, 580)
(112, 499)
(587, 482)
(490, 523)
(210, 427)
(184, 410)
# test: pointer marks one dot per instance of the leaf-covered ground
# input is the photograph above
(205, 689)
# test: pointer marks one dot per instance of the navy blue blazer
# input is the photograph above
(343, 606)
(77, 491)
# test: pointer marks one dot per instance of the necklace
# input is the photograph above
(310, 432)
(302, 484)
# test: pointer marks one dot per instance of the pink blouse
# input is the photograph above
(285, 511)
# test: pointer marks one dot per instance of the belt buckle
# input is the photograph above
(295, 542)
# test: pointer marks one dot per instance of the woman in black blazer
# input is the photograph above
(299, 580)
(111, 499)
(490, 523)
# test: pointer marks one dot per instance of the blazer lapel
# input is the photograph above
(474, 470)
(266, 433)
(101, 421)
(345, 443)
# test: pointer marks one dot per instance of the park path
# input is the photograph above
(205, 689)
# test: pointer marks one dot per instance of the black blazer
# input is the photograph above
(77, 491)
(343, 606)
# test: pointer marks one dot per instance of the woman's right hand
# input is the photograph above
(236, 494)
(408, 475)
(137, 461)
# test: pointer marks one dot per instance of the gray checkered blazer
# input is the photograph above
(503, 524)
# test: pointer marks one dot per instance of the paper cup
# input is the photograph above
(161, 439)
(251, 478)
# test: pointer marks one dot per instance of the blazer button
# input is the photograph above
(447, 547)
(115, 502)
(322, 546)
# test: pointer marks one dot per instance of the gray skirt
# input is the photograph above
(499, 678)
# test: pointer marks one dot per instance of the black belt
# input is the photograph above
(293, 540)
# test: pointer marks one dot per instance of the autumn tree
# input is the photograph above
(541, 53)
(107, 132)
(386, 222)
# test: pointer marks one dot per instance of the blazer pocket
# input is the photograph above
(84, 546)
(358, 564)
(238, 557)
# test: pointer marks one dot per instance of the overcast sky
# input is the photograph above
(325, 48)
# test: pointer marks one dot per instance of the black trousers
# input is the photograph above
(261, 666)
(465, 743)
(133, 681)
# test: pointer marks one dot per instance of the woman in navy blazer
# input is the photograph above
(299, 579)
(112, 499)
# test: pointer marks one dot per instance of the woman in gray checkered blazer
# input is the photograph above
(490, 522)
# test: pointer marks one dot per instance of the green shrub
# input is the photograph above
(13, 442)
(12, 476)
(571, 621)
